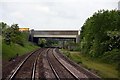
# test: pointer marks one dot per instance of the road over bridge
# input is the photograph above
(54, 34)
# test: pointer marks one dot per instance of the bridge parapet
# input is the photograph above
(52, 32)
(71, 34)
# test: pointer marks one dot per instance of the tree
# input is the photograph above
(100, 35)
(42, 42)
(3, 27)
(11, 34)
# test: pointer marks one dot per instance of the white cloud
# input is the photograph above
(18, 0)
(17, 14)
(52, 14)
(43, 8)
(39, 8)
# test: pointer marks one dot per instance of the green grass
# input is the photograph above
(9, 51)
(104, 70)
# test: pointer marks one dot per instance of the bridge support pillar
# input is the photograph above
(31, 35)
(77, 38)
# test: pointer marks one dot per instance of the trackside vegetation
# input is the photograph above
(100, 37)
(100, 68)
(14, 42)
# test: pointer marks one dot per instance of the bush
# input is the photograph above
(111, 56)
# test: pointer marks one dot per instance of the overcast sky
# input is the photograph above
(52, 14)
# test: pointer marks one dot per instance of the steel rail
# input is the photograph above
(14, 72)
(84, 68)
(76, 77)
(54, 71)
(34, 66)
(33, 70)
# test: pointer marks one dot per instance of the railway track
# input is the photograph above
(61, 69)
(53, 63)
(89, 74)
(26, 69)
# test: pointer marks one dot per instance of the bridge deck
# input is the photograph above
(56, 32)
(56, 36)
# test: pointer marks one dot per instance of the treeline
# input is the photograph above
(42, 42)
(11, 34)
(100, 36)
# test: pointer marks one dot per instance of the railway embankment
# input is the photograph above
(98, 67)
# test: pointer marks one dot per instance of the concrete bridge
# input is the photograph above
(54, 34)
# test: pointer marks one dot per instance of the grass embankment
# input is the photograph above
(9, 51)
(103, 70)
